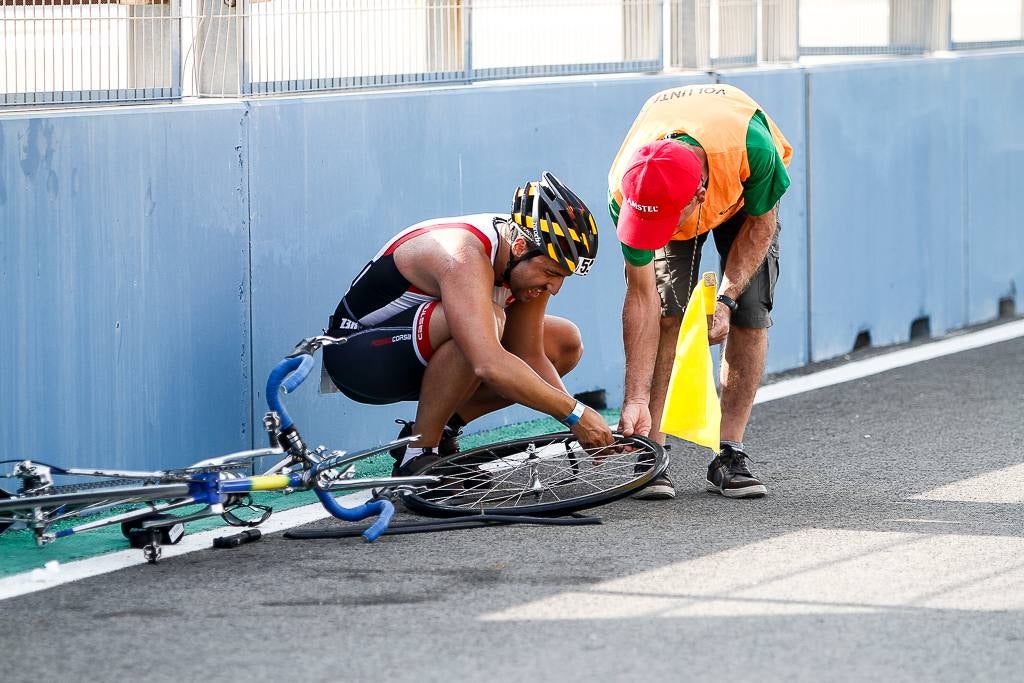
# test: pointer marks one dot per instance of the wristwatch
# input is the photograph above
(729, 302)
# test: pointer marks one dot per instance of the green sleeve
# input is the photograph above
(637, 257)
(768, 179)
(634, 257)
(613, 208)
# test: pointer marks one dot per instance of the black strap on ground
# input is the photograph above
(448, 524)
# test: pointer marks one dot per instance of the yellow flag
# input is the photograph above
(692, 411)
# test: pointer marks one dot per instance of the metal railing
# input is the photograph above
(73, 51)
(58, 52)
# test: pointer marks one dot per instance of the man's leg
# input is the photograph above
(743, 361)
(741, 371)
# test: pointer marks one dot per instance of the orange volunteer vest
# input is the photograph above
(717, 116)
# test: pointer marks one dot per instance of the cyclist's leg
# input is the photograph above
(448, 381)
(563, 346)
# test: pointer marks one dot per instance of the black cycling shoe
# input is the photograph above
(449, 443)
(729, 475)
(417, 464)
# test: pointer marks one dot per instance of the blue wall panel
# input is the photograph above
(361, 167)
(123, 285)
(887, 176)
(781, 93)
(993, 94)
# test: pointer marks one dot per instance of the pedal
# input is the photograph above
(139, 537)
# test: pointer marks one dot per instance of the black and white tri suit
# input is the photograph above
(386, 320)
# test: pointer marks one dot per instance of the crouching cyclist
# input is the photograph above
(451, 313)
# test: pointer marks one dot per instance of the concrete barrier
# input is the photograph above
(155, 261)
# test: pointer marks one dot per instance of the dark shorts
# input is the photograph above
(677, 269)
(382, 364)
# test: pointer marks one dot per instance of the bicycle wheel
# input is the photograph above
(541, 475)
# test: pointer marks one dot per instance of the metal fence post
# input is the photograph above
(910, 26)
(780, 30)
(737, 32)
(690, 34)
(244, 28)
(175, 55)
(467, 40)
(940, 36)
(641, 28)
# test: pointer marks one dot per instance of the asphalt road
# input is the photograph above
(879, 553)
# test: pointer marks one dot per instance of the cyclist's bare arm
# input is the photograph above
(524, 337)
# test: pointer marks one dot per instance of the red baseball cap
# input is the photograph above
(659, 182)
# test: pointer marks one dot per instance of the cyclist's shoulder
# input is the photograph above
(475, 232)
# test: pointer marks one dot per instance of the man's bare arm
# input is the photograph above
(746, 255)
(641, 310)
(641, 330)
(748, 252)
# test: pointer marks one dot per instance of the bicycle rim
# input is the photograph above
(542, 475)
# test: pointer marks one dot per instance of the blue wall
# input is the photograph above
(124, 260)
(143, 249)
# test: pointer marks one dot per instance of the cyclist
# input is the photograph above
(451, 312)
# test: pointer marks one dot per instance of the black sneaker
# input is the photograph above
(659, 488)
(729, 475)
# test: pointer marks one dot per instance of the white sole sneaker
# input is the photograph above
(655, 492)
(746, 492)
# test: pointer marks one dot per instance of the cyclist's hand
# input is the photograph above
(592, 431)
(720, 325)
(635, 419)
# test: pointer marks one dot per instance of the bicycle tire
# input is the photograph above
(557, 477)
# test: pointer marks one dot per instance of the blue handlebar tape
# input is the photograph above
(382, 508)
(292, 381)
(289, 374)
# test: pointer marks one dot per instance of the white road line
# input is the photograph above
(896, 359)
(1001, 486)
(811, 571)
(40, 579)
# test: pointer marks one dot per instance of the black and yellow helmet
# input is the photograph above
(557, 222)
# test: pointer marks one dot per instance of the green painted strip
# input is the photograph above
(19, 553)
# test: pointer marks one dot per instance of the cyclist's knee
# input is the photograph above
(563, 343)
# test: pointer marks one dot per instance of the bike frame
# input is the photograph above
(207, 483)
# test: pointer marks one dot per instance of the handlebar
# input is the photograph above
(287, 375)
(382, 508)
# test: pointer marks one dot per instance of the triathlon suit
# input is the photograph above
(386, 320)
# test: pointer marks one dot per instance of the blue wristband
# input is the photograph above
(574, 417)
